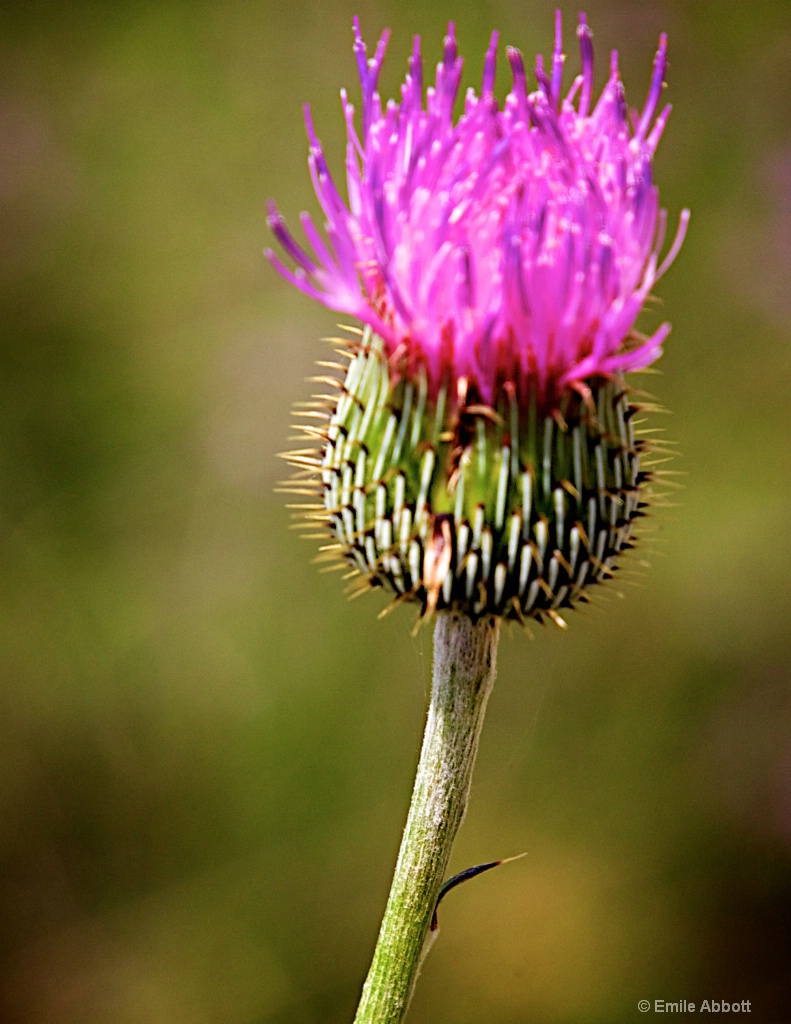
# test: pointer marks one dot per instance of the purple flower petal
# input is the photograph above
(519, 242)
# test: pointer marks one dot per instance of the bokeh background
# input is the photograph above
(205, 751)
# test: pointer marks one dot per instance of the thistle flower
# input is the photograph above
(480, 453)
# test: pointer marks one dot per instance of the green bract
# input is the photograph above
(456, 505)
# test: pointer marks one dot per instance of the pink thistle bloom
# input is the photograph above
(517, 245)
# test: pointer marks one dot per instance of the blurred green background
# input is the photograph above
(205, 751)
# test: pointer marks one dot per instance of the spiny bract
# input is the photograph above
(465, 506)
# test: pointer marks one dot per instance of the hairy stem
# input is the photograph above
(465, 655)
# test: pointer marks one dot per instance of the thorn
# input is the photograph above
(399, 599)
(464, 876)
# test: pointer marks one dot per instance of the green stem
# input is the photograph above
(465, 655)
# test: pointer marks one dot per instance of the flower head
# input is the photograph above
(481, 454)
(518, 243)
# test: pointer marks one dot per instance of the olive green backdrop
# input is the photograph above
(205, 751)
